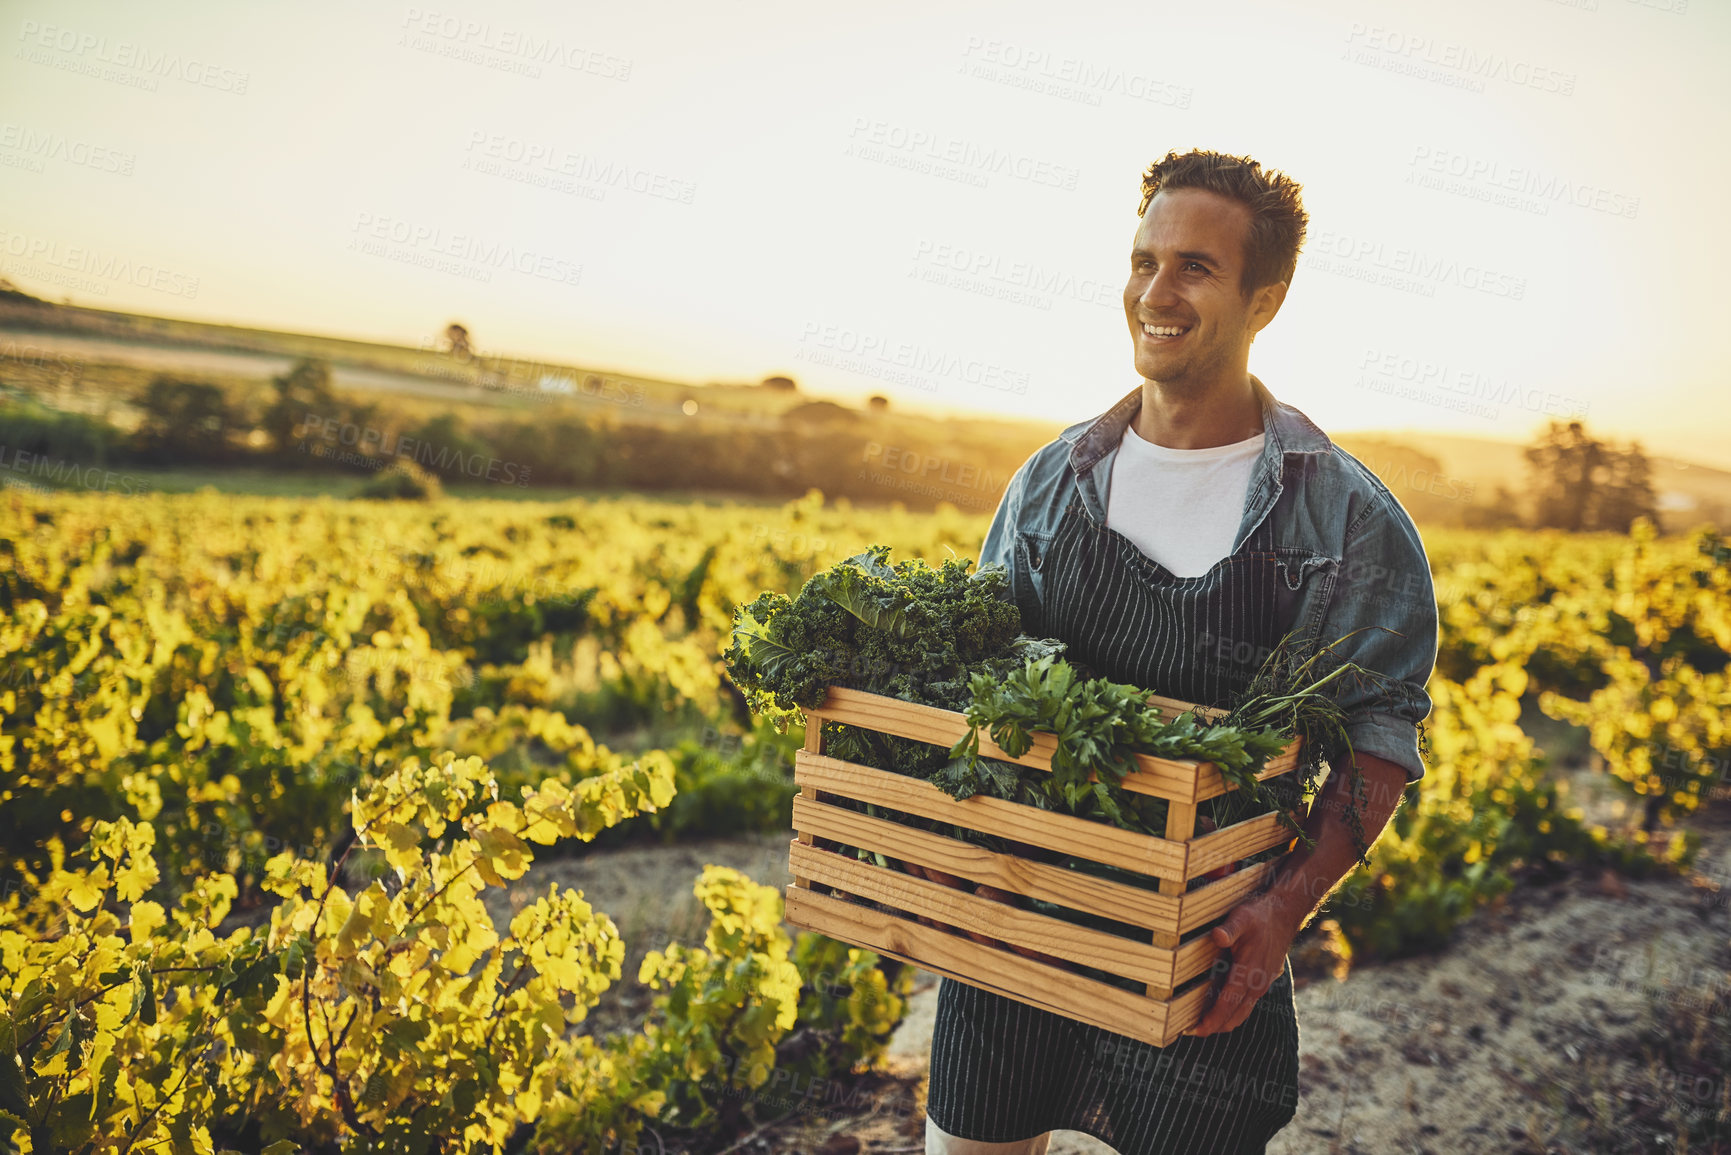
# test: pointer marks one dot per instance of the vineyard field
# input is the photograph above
(267, 762)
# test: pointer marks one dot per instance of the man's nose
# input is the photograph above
(1160, 289)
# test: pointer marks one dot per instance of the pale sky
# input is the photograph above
(1516, 205)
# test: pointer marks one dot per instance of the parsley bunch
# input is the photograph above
(1098, 725)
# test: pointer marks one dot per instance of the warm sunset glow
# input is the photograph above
(1515, 206)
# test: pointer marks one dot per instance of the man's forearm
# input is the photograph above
(1307, 876)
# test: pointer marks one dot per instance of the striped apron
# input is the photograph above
(1003, 1071)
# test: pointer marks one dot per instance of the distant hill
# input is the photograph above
(560, 424)
(1689, 493)
(487, 376)
(894, 454)
(38, 331)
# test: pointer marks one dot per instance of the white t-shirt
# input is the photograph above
(1181, 507)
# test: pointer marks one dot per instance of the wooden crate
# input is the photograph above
(831, 889)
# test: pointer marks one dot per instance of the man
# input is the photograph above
(1172, 542)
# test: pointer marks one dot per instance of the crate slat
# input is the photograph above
(970, 912)
(1146, 908)
(1180, 827)
(1072, 888)
(813, 743)
(1240, 840)
(1064, 833)
(1042, 880)
(1001, 972)
(1170, 967)
(1207, 903)
(1176, 780)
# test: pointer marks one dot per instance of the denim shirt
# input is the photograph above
(1344, 544)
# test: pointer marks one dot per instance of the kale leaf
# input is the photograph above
(947, 637)
(909, 631)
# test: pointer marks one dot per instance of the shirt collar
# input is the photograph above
(1289, 431)
(1290, 434)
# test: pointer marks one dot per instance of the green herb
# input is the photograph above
(1294, 695)
(950, 638)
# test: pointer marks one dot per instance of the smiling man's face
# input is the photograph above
(1185, 265)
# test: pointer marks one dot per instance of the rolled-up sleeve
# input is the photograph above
(1383, 616)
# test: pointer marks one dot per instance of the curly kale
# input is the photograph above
(907, 631)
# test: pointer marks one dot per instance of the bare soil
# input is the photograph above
(1556, 1020)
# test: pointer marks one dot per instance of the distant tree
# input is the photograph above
(445, 445)
(780, 384)
(1582, 484)
(457, 337)
(877, 403)
(1563, 463)
(561, 450)
(185, 420)
(401, 481)
(28, 426)
(303, 396)
(1628, 491)
(819, 413)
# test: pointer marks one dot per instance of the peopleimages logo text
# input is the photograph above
(465, 246)
(1086, 76)
(868, 347)
(126, 54)
(1459, 58)
(70, 150)
(1411, 262)
(1523, 179)
(963, 153)
(374, 445)
(511, 42)
(63, 472)
(1426, 376)
(97, 265)
(1016, 274)
(560, 161)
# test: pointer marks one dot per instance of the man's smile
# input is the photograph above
(1163, 334)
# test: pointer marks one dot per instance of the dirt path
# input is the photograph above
(1533, 1022)
(1505, 1042)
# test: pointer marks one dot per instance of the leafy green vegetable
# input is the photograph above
(865, 587)
(946, 637)
(1294, 696)
(754, 642)
(965, 777)
(908, 631)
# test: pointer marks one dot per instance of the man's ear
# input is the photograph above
(1264, 304)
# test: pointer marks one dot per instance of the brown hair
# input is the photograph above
(1277, 216)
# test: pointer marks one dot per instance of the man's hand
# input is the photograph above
(1258, 933)
(1260, 930)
